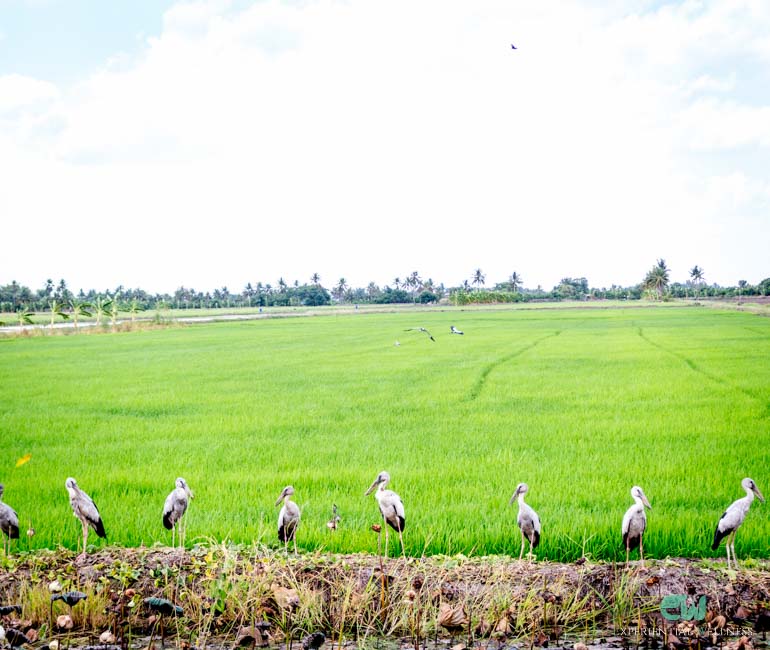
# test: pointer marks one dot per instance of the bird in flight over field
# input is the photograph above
(454, 330)
(420, 329)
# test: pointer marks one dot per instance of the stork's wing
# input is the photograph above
(88, 510)
(9, 521)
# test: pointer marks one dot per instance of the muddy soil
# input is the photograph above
(257, 598)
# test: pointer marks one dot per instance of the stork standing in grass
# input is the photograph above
(174, 509)
(733, 517)
(9, 522)
(84, 509)
(527, 520)
(391, 508)
(288, 518)
(634, 523)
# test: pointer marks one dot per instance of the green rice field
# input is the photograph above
(581, 404)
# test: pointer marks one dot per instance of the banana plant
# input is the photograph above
(79, 308)
(134, 308)
(57, 309)
(101, 307)
(24, 316)
(114, 311)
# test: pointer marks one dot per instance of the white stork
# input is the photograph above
(9, 522)
(634, 523)
(84, 509)
(288, 518)
(527, 520)
(391, 508)
(175, 507)
(733, 517)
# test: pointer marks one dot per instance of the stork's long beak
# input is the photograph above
(759, 494)
(513, 498)
(280, 498)
(646, 502)
(189, 492)
(372, 487)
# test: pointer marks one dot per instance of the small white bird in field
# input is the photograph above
(454, 330)
(635, 522)
(733, 517)
(288, 518)
(391, 508)
(527, 520)
(174, 509)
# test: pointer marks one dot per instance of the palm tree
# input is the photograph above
(478, 278)
(397, 282)
(340, 289)
(657, 278)
(696, 273)
(516, 281)
(78, 308)
(315, 279)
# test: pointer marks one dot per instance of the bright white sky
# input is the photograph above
(155, 144)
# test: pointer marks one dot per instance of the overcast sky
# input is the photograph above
(155, 144)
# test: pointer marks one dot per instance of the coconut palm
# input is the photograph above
(478, 278)
(315, 279)
(516, 281)
(657, 278)
(340, 289)
(697, 276)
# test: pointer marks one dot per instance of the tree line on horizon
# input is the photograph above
(59, 300)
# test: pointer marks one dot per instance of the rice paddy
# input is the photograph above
(581, 404)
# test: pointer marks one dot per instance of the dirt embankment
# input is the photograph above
(224, 592)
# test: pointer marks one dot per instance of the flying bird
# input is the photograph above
(454, 330)
(288, 518)
(9, 522)
(634, 523)
(84, 509)
(513, 47)
(391, 508)
(420, 329)
(175, 507)
(733, 517)
(527, 520)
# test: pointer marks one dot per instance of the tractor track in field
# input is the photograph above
(484, 374)
(721, 381)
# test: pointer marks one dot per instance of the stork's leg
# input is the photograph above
(628, 550)
(641, 550)
(85, 539)
(732, 546)
(521, 553)
(401, 537)
(386, 539)
(294, 539)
